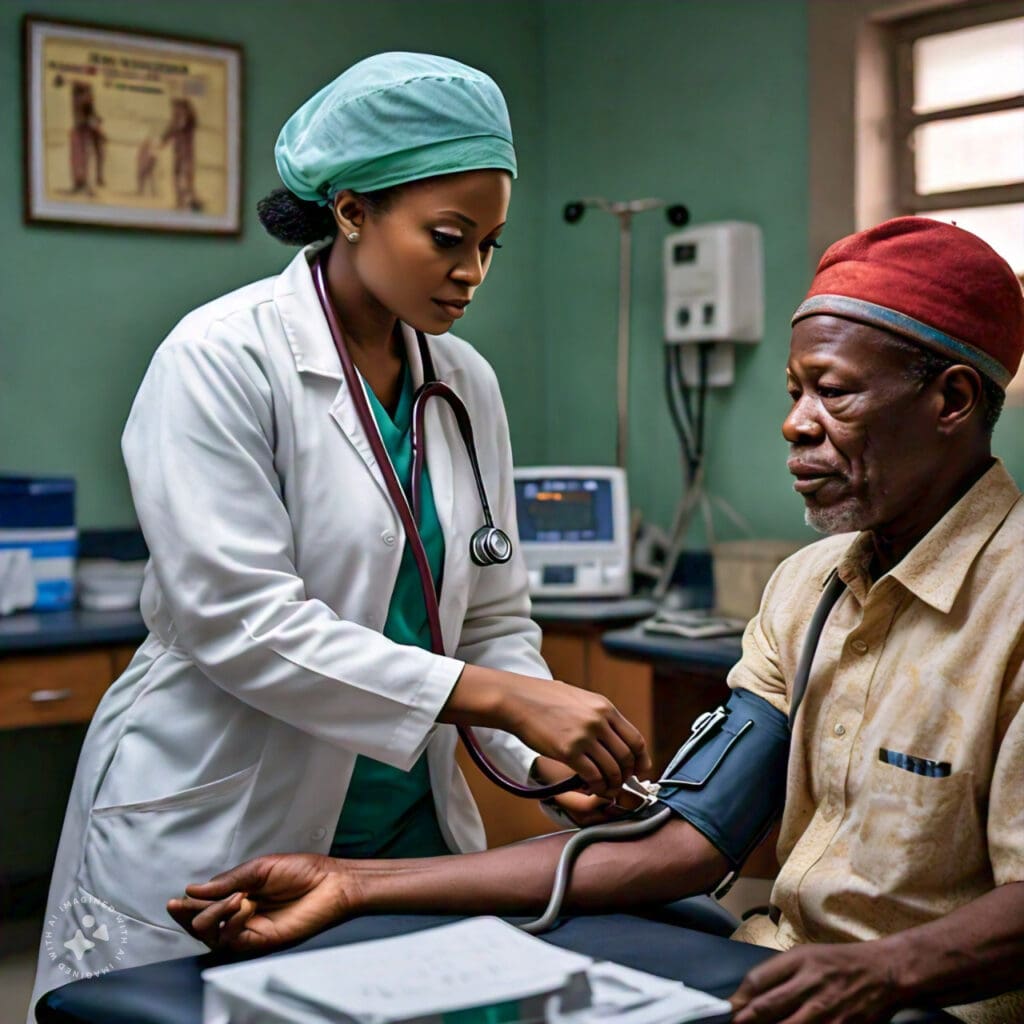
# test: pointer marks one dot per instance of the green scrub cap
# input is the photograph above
(393, 118)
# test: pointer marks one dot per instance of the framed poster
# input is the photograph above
(131, 130)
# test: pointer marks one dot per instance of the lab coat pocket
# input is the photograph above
(918, 831)
(137, 856)
(197, 794)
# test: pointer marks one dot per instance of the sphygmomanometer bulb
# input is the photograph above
(677, 214)
(573, 211)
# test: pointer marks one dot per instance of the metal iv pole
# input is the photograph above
(624, 212)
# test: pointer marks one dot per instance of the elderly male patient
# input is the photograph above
(902, 845)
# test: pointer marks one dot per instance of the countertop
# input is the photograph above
(597, 610)
(78, 627)
(39, 631)
(36, 632)
(713, 652)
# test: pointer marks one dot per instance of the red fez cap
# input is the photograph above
(933, 283)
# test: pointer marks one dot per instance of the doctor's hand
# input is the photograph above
(576, 808)
(582, 730)
(266, 903)
(838, 983)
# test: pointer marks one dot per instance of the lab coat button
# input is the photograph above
(388, 538)
(839, 729)
(859, 646)
(317, 834)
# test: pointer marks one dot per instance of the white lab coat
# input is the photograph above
(275, 550)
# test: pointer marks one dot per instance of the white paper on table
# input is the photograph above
(419, 977)
(622, 995)
(479, 962)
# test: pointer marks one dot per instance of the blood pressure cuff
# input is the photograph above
(729, 779)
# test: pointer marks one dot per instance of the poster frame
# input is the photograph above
(39, 208)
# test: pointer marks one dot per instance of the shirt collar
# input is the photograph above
(934, 570)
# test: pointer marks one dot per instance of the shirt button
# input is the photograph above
(859, 646)
(388, 538)
(839, 729)
(317, 834)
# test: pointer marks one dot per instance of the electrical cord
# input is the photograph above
(679, 414)
(703, 354)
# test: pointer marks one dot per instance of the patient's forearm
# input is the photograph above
(673, 862)
(971, 953)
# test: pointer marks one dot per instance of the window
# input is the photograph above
(959, 123)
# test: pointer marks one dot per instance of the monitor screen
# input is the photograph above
(564, 510)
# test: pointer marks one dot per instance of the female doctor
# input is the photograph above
(286, 698)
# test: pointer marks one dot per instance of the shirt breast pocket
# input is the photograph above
(917, 832)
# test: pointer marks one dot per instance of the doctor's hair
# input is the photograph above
(923, 366)
(296, 221)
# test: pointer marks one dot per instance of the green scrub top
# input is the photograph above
(388, 812)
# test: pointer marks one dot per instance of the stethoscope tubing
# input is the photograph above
(438, 389)
(408, 513)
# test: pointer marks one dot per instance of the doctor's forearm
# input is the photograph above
(580, 729)
(674, 862)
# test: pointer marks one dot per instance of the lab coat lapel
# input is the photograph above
(344, 413)
(444, 452)
(309, 338)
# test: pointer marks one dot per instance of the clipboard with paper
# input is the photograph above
(479, 971)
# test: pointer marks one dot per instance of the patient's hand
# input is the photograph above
(267, 903)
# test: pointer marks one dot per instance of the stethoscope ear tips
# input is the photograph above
(490, 546)
(572, 212)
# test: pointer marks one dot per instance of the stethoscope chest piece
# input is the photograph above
(490, 546)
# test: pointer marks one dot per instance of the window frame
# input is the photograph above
(904, 34)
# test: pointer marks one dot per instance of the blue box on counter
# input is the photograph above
(38, 513)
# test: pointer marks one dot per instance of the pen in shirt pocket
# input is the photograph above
(917, 765)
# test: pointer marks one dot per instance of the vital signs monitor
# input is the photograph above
(574, 530)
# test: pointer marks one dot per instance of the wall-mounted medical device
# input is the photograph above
(714, 299)
(574, 530)
(714, 292)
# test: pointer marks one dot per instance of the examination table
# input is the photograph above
(172, 992)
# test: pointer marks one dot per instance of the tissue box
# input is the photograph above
(38, 514)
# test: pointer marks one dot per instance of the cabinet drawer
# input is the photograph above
(119, 660)
(52, 689)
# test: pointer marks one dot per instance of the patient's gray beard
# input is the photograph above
(838, 519)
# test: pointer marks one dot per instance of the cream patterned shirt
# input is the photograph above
(905, 793)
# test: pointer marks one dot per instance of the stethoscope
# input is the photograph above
(488, 546)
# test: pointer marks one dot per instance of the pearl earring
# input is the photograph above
(353, 237)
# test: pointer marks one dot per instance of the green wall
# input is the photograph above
(704, 103)
(84, 309)
(698, 101)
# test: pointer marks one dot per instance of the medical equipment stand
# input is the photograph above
(624, 212)
(714, 297)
